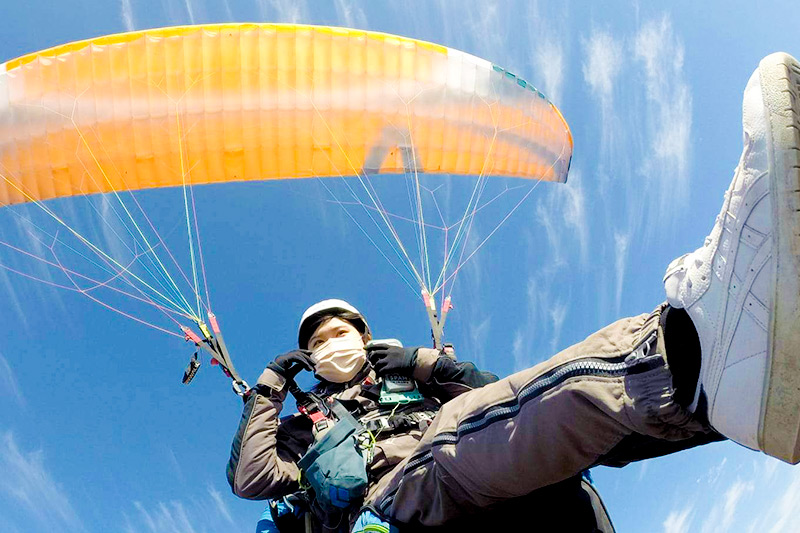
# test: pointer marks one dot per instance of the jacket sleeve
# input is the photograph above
(261, 465)
(446, 378)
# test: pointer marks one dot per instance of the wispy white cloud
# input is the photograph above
(485, 19)
(222, 507)
(558, 313)
(228, 13)
(602, 66)
(201, 513)
(36, 242)
(8, 383)
(573, 199)
(479, 336)
(715, 472)
(113, 233)
(27, 483)
(678, 521)
(768, 467)
(621, 245)
(127, 15)
(549, 49)
(169, 517)
(12, 300)
(721, 516)
(469, 286)
(730, 496)
(19, 235)
(350, 14)
(644, 108)
(563, 215)
(731, 502)
(666, 157)
(518, 350)
(545, 215)
(525, 334)
(786, 509)
(643, 469)
(778, 508)
(189, 10)
(549, 60)
(546, 311)
(263, 10)
(176, 465)
(291, 11)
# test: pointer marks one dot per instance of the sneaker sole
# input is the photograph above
(779, 431)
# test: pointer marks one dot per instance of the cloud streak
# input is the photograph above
(479, 337)
(563, 215)
(678, 521)
(549, 50)
(127, 15)
(350, 15)
(169, 517)
(207, 512)
(36, 496)
(189, 10)
(641, 168)
(621, 245)
(779, 488)
(8, 383)
(731, 497)
(221, 506)
(485, 19)
(291, 11)
(669, 112)
(720, 517)
(602, 66)
(10, 294)
(228, 13)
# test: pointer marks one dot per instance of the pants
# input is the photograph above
(606, 400)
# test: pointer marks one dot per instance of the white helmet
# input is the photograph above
(326, 307)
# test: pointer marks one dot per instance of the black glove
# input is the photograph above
(387, 359)
(292, 363)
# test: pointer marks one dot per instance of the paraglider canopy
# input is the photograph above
(185, 106)
(263, 101)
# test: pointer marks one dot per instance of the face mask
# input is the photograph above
(339, 359)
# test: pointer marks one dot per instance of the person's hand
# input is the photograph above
(386, 359)
(292, 363)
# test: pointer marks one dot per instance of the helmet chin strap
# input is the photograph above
(437, 322)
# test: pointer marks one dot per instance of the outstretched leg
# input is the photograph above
(609, 399)
(631, 390)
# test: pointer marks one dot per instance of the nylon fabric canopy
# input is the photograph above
(231, 102)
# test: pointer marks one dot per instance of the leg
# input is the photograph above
(541, 426)
(612, 398)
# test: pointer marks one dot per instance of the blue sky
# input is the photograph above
(97, 433)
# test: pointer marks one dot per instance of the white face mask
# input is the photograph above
(339, 359)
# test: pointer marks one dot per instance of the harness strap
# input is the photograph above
(415, 420)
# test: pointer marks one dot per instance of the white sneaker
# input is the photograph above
(741, 288)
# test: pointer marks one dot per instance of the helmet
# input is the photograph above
(328, 307)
